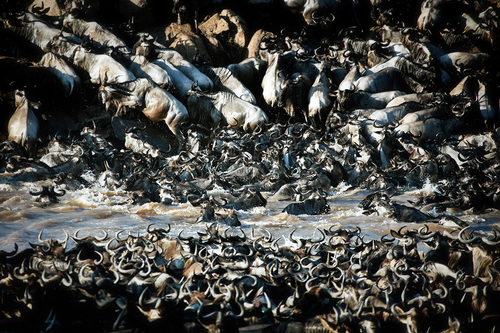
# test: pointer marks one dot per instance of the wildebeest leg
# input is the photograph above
(122, 106)
(174, 123)
(312, 121)
(236, 123)
(196, 14)
(306, 117)
(121, 111)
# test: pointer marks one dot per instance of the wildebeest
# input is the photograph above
(316, 204)
(350, 100)
(140, 66)
(429, 129)
(416, 76)
(381, 52)
(35, 31)
(180, 81)
(422, 98)
(436, 13)
(294, 94)
(47, 194)
(23, 124)
(454, 62)
(66, 74)
(94, 32)
(224, 80)
(63, 47)
(187, 68)
(319, 95)
(250, 72)
(387, 79)
(101, 68)
(422, 115)
(246, 198)
(156, 103)
(237, 112)
(276, 73)
(389, 116)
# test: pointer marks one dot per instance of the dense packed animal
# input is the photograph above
(226, 280)
(228, 105)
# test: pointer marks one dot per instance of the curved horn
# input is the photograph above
(36, 192)
(65, 240)
(323, 236)
(298, 242)
(42, 241)
(54, 191)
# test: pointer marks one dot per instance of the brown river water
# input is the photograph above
(94, 209)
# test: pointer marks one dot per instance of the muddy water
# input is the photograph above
(95, 209)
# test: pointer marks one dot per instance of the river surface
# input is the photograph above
(94, 209)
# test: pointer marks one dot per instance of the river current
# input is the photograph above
(96, 209)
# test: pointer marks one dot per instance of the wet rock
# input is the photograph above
(139, 11)
(226, 36)
(181, 38)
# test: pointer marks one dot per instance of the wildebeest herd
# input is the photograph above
(229, 281)
(227, 104)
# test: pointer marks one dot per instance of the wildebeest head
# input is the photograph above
(62, 46)
(293, 93)
(316, 204)
(247, 198)
(201, 108)
(144, 46)
(276, 74)
(436, 13)
(346, 99)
